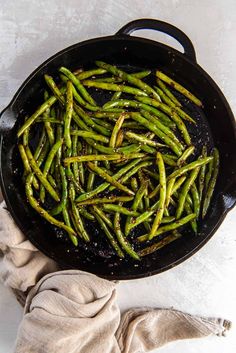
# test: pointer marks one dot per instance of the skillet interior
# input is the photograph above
(130, 53)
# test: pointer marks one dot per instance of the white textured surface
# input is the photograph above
(31, 31)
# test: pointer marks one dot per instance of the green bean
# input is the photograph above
(48, 119)
(114, 87)
(36, 114)
(55, 90)
(43, 154)
(171, 112)
(110, 237)
(114, 79)
(66, 217)
(41, 143)
(169, 189)
(70, 177)
(169, 161)
(186, 187)
(60, 207)
(141, 74)
(178, 110)
(80, 165)
(119, 138)
(91, 176)
(169, 227)
(182, 160)
(202, 173)
(107, 114)
(165, 99)
(168, 93)
(120, 209)
(109, 178)
(188, 198)
(136, 203)
(148, 149)
(47, 166)
(134, 184)
(143, 139)
(138, 105)
(75, 167)
(86, 74)
(50, 132)
(161, 207)
(129, 78)
(87, 120)
(59, 136)
(196, 200)
(160, 244)
(139, 195)
(109, 199)
(51, 156)
(116, 129)
(71, 192)
(103, 216)
(134, 126)
(103, 123)
(82, 102)
(52, 181)
(209, 174)
(212, 182)
(179, 88)
(177, 183)
(79, 86)
(116, 95)
(152, 174)
(89, 134)
(24, 159)
(68, 115)
(162, 127)
(146, 201)
(79, 222)
(86, 214)
(179, 172)
(188, 210)
(26, 164)
(104, 186)
(140, 219)
(134, 170)
(59, 94)
(40, 175)
(120, 237)
(81, 124)
(43, 213)
(109, 150)
(167, 219)
(25, 137)
(184, 115)
(72, 218)
(167, 140)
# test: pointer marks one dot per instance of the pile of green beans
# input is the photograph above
(128, 166)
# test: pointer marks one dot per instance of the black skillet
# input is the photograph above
(216, 126)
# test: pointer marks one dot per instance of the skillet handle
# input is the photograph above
(7, 120)
(229, 196)
(164, 27)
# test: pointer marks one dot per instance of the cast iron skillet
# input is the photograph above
(131, 53)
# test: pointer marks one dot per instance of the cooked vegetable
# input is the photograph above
(128, 167)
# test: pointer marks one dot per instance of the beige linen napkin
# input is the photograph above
(76, 312)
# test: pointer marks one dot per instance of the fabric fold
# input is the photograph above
(22, 264)
(77, 312)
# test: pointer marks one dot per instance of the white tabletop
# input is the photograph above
(30, 32)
